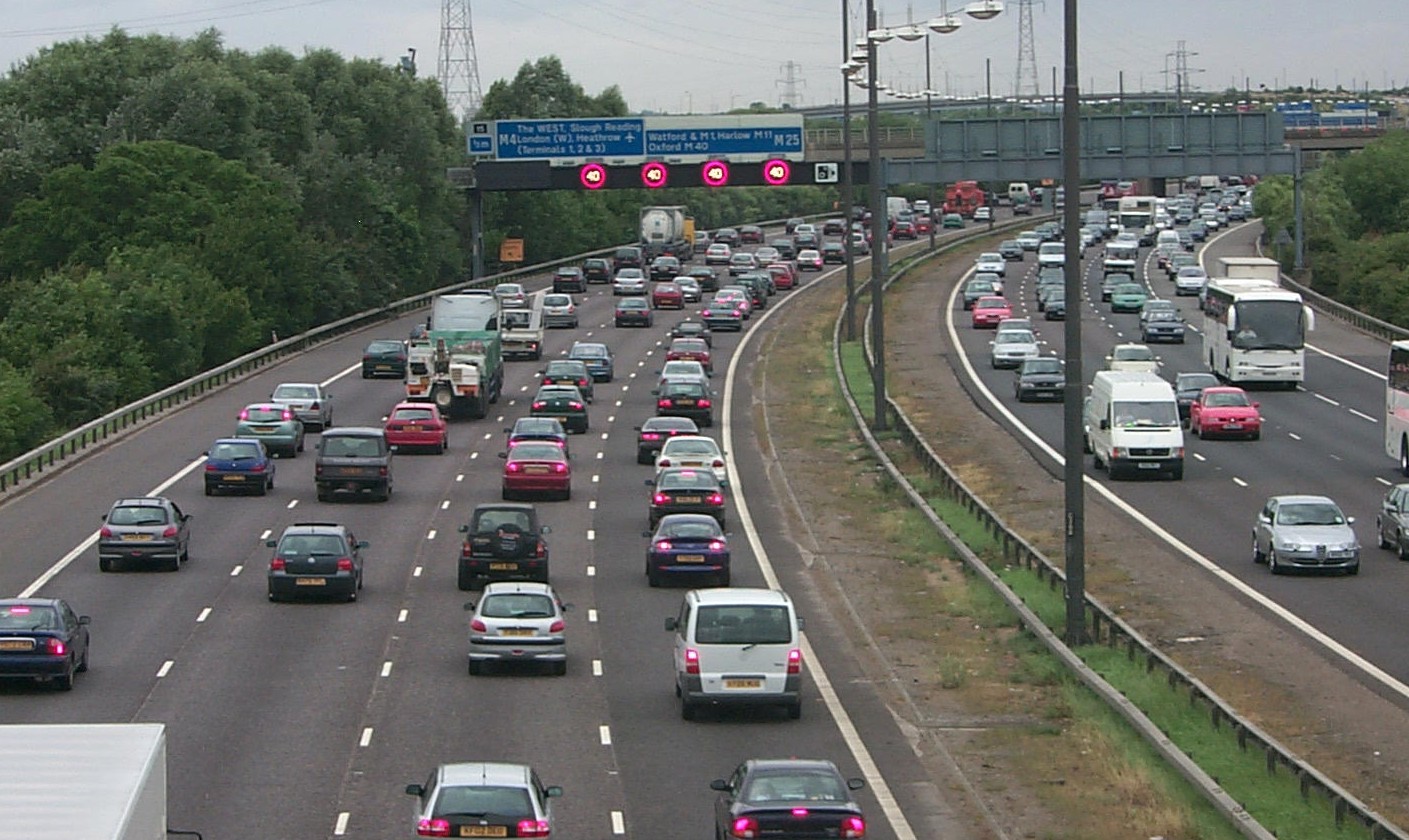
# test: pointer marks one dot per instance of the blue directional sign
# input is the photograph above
(480, 139)
(569, 138)
(774, 140)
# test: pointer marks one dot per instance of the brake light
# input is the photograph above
(795, 661)
(478, 626)
(704, 403)
(277, 564)
(542, 550)
(513, 467)
(557, 626)
(19, 610)
(746, 827)
(314, 406)
(169, 531)
(537, 404)
(55, 646)
(344, 564)
(853, 827)
(663, 545)
(799, 812)
(664, 462)
(209, 467)
(582, 382)
(716, 498)
(692, 661)
(660, 499)
(649, 436)
(716, 545)
(433, 828)
(534, 828)
(244, 414)
(663, 403)
(718, 462)
(575, 405)
(560, 468)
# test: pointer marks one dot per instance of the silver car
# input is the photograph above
(518, 621)
(511, 295)
(1392, 523)
(559, 310)
(483, 799)
(1013, 347)
(309, 402)
(1304, 532)
(690, 289)
(629, 281)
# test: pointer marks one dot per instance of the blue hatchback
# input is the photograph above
(689, 544)
(239, 464)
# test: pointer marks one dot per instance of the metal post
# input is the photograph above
(988, 84)
(880, 230)
(929, 118)
(476, 234)
(848, 192)
(1073, 471)
(1299, 261)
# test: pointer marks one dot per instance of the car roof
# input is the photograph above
(353, 431)
(810, 764)
(142, 501)
(524, 506)
(298, 528)
(484, 773)
(241, 441)
(517, 587)
(1302, 498)
(740, 595)
(679, 438)
(669, 422)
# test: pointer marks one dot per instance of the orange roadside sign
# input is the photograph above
(511, 250)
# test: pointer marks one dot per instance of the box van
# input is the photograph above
(737, 647)
(1133, 425)
(1018, 191)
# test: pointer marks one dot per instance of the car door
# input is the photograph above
(724, 802)
(1391, 518)
(183, 531)
(77, 632)
(1265, 519)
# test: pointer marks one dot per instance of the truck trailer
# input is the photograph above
(1251, 268)
(97, 781)
(664, 232)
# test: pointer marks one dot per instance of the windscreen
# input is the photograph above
(795, 787)
(743, 625)
(1269, 325)
(1153, 414)
(478, 801)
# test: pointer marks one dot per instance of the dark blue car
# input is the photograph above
(42, 639)
(690, 545)
(239, 464)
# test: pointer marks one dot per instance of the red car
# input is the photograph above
(1225, 411)
(417, 424)
(989, 310)
(667, 295)
(784, 276)
(923, 225)
(690, 348)
(534, 468)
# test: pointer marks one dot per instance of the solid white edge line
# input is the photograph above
(1297, 622)
(894, 815)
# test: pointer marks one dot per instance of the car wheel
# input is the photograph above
(104, 564)
(366, 374)
(264, 487)
(1380, 534)
(300, 443)
(64, 682)
(324, 496)
(209, 490)
(175, 564)
(1272, 565)
(722, 579)
(1353, 570)
(1257, 435)
(475, 668)
(440, 447)
(1400, 548)
(642, 459)
(652, 577)
(1257, 556)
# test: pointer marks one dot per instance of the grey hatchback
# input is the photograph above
(146, 530)
(309, 402)
(315, 558)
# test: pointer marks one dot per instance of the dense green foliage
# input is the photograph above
(1356, 226)
(167, 204)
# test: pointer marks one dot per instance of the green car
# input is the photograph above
(952, 220)
(1128, 297)
(564, 402)
(276, 425)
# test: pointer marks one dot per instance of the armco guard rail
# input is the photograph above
(66, 446)
(1104, 625)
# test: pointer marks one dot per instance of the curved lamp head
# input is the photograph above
(880, 36)
(945, 24)
(984, 9)
(910, 33)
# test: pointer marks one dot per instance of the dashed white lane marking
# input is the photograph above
(523, 388)
(1363, 416)
(474, 455)
(1199, 457)
(460, 477)
(291, 505)
(416, 572)
(264, 536)
(600, 455)
(340, 827)
(596, 667)
(165, 668)
(1325, 399)
(366, 737)
(641, 363)
(604, 435)
(591, 616)
(604, 734)
(401, 616)
(596, 478)
(618, 823)
(592, 504)
(486, 435)
(235, 572)
(1293, 435)
(386, 668)
(205, 613)
(591, 535)
(611, 418)
(1239, 482)
(1386, 482)
(591, 570)
(430, 535)
(445, 505)
(618, 402)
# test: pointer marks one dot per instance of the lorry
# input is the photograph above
(458, 364)
(964, 197)
(1251, 268)
(105, 781)
(664, 231)
(521, 331)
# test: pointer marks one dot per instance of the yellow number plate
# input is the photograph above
(137, 537)
(413, 428)
(504, 567)
(234, 478)
(310, 582)
(691, 558)
(688, 500)
(17, 644)
(515, 631)
(533, 470)
(484, 831)
(743, 683)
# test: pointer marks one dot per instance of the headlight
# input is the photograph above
(1289, 546)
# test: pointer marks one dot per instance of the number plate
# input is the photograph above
(17, 644)
(310, 582)
(736, 684)
(683, 401)
(383, 367)
(234, 478)
(1149, 465)
(503, 567)
(484, 831)
(691, 558)
(516, 631)
(413, 428)
(1232, 425)
(264, 430)
(137, 537)
(688, 500)
(535, 470)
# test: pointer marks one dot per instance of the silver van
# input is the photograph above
(737, 647)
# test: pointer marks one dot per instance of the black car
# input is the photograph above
(834, 227)
(564, 402)
(570, 372)
(785, 247)
(665, 267)
(708, 278)
(833, 252)
(628, 257)
(569, 278)
(633, 312)
(322, 559)
(384, 357)
(975, 289)
(757, 287)
(685, 490)
(787, 798)
(1054, 305)
(1010, 250)
(683, 398)
(1188, 386)
(693, 329)
(652, 435)
(353, 460)
(1038, 379)
(42, 639)
(727, 236)
(791, 224)
(597, 270)
(503, 541)
(538, 430)
(723, 316)
(150, 530)
(805, 241)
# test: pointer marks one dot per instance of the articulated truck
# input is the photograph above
(459, 364)
(667, 231)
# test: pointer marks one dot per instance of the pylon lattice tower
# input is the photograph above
(790, 82)
(458, 65)
(1025, 80)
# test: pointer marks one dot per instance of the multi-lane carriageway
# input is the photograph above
(308, 719)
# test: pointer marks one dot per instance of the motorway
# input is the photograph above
(308, 719)
(1325, 437)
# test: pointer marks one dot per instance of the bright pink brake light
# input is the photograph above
(745, 827)
(703, 403)
(716, 545)
(557, 626)
(795, 661)
(534, 828)
(539, 404)
(664, 402)
(560, 468)
(663, 545)
(799, 812)
(716, 498)
(56, 647)
(433, 828)
(277, 564)
(649, 436)
(513, 467)
(853, 828)
(244, 414)
(288, 415)
(692, 661)
(660, 499)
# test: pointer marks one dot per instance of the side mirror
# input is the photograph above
(1257, 405)
(1263, 517)
(469, 606)
(508, 431)
(655, 392)
(719, 785)
(504, 455)
(363, 544)
(1350, 520)
(1105, 424)
(672, 624)
(271, 543)
(415, 790)
(83, 619)
(553, 791)
(464, 529)
(546, 529)
(636, 428)
(650, 482)
(855, 784)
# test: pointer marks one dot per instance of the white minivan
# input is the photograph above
(737, 647)
(1133, 427)
(1019, 191)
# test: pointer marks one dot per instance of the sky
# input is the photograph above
(706, 57)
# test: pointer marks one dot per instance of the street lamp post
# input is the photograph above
(1072, 475)
(929, 117)
(847, 190)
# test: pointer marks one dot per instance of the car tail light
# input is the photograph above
(664, 462)
(716, 498)
(209, 467)
(853, 827)
(795, 661)
(513, 467)
(575, 405)
(718, 462)
(55, 647)
(244, 414)
(663, 545)
(542, 550)
(649, 436)
(259, 468)
(366, 357)
(799, 812)
(277, 564)
(317, 469)
(344, 564)
(704, 403)
(314, 406)
(746, 827)
(537, 404)
(169, 531)
(560, 468)
(660, 499)
(692, 661)
(433, 828)
(382, 471)
(582, 382)
(664, 403)
(534, 828)
(105, 531)
(557, 626)
(478, 626)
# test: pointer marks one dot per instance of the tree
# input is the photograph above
(543, 90)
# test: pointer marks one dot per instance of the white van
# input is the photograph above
(1132, 422)
(1019, 192)
(737, 647)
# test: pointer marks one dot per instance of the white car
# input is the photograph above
(684, 369)
(629, 281)
(1029, 240)
(1051, 255)
(1133, 357)
(1012, 347)
(718, 254)
(511, 295)
(1190, 280)
(559, 311)
(991, 261)
(693, 451)
(983, 214)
